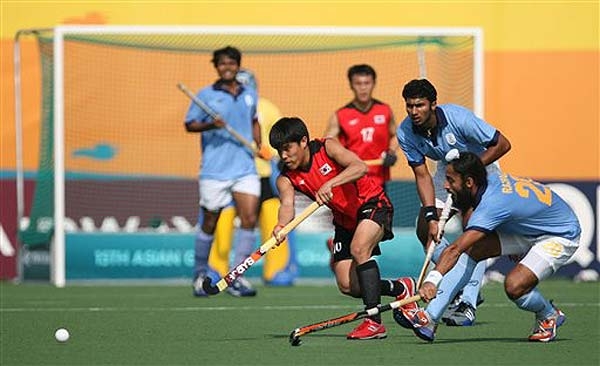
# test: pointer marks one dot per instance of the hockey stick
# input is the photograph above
(214, 115)
(254, 257)
(441, 226)
(373, 162)
(330, 323)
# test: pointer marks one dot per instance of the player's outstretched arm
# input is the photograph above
(447, 261)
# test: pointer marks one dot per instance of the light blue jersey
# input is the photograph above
(457, 128)
(522, 207)
(223, 157)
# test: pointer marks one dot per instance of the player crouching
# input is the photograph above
(503, 215)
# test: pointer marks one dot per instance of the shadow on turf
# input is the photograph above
(437, 341)
(491, 340)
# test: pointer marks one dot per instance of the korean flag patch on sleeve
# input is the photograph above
(325, 169)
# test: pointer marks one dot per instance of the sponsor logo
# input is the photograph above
(553, 249)
(353, 122)
(241, 268)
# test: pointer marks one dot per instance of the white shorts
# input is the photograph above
(216, 194)
(544, 255)
(440, 177)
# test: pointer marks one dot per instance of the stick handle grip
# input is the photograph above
(373, 162)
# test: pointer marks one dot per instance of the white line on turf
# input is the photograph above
(231, 308)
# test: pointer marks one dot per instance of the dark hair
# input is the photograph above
(286, 130)
(228, 51)
(469, 164)
(419, 88)
(362, 69)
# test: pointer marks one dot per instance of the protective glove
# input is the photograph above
(389, 158)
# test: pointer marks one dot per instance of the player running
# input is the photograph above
(362, 213)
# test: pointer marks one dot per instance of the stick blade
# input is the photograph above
(295, 339)
(208, 287)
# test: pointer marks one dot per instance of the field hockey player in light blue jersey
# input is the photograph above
(227, 171)
(431, 131)
(505, 215)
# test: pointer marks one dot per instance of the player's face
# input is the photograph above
(227, 68)
(362, 86)
(293, 154)
(420, 111)
(458, 188)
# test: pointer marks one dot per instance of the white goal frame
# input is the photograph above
(57, 257)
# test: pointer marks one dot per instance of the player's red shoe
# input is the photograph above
(410, 289)
(368, 329)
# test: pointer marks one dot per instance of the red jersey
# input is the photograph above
(347, 198)
(367, 134)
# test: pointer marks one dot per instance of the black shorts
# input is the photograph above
(379, 210)
(266, 191)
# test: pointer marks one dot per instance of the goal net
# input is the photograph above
(115, 156)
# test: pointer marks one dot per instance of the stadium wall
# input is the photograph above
(541, 84)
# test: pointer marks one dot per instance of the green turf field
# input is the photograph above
(165, 325)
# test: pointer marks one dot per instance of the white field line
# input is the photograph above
(231, 308)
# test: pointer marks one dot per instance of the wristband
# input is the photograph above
(434, 277)
(431, 213)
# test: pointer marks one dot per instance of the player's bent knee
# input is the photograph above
(519, 281)
(515, 290)
(361, 254)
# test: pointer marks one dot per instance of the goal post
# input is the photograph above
(120, 152)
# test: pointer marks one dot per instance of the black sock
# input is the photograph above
(391, 288)
(369, 280)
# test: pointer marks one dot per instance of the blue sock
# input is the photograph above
(471, 289)
(535, 302)
(244, 245)
(201, 251)
(452, 282)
